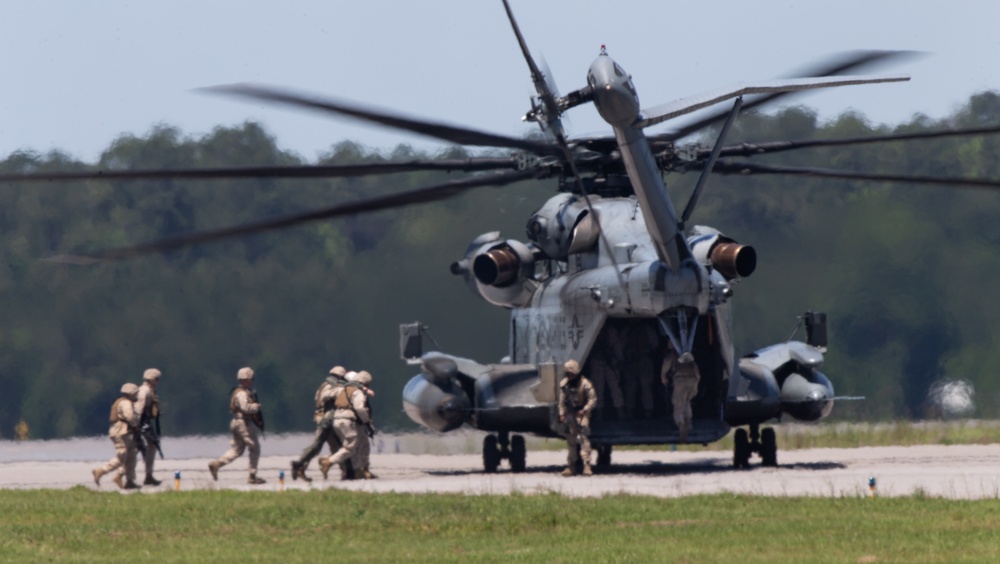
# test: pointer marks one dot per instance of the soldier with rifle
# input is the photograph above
(577, 400)
(362, 457)
(323, 417)
(247, 418)
(124, 425)
(148, 406)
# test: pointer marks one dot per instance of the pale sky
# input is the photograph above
(78, 74)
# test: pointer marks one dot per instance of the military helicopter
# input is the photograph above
(611, 275)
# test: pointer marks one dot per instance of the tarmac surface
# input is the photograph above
(426, 463)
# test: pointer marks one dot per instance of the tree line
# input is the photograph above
(903, 272)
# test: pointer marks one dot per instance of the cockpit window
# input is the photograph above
(619, 71)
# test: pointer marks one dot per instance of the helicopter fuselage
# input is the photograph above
(609, 282)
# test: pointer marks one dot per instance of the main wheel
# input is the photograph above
(768, 447)
(741, 449)
(518, 454)
(491, 454)
(604, 455)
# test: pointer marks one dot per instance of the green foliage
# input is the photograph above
(900, 270)
(229, 526)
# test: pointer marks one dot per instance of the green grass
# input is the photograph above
(334, 525)
(793, 436)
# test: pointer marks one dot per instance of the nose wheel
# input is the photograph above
(502, 446)
(764, 443)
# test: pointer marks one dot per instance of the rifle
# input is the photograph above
(140, 444)
(151, 434)
(257, 418)
(370, 426)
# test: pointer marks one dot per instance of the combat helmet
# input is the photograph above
(363, 377)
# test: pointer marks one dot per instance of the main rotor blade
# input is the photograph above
(670, 110)
(545, 91)
(751, 149)
(306, 171)
(746, 168)
(838, 64)
(413, 197)
(551, 110)
(450, 133)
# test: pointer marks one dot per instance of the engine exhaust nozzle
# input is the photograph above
(498, 267)
(733, 260)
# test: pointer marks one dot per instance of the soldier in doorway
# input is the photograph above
(605, 372)
(682, 371)
(246, 420)
(323, 416)
(148, 406)
(577, 400)
(124, 426)
(642, 345)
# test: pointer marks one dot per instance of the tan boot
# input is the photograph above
(213, 467)
(98, 472)
(118, 481)
(324, 467)
(569, 471)
(253, 480)
(366, 475)
(587, 471)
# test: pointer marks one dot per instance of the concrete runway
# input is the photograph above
(424, 463)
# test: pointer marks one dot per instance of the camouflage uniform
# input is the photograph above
(323, 417)
(148, 406)
(577, 400)
(244, 429)
(124, 423)
(685, 375)
(350, 412)
(362, 456)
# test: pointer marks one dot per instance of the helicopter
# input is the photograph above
(609, 275)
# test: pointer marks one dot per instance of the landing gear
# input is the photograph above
(491, 454)
(768, 448)
(604, 456)
(741, 449)
(518, 454)
(763, 443)
(500, 446)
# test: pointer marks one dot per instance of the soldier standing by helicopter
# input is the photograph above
(577, 400)
(323, 417)
(124, 423)
(246, 420)
(148, 406)
(683, 371)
